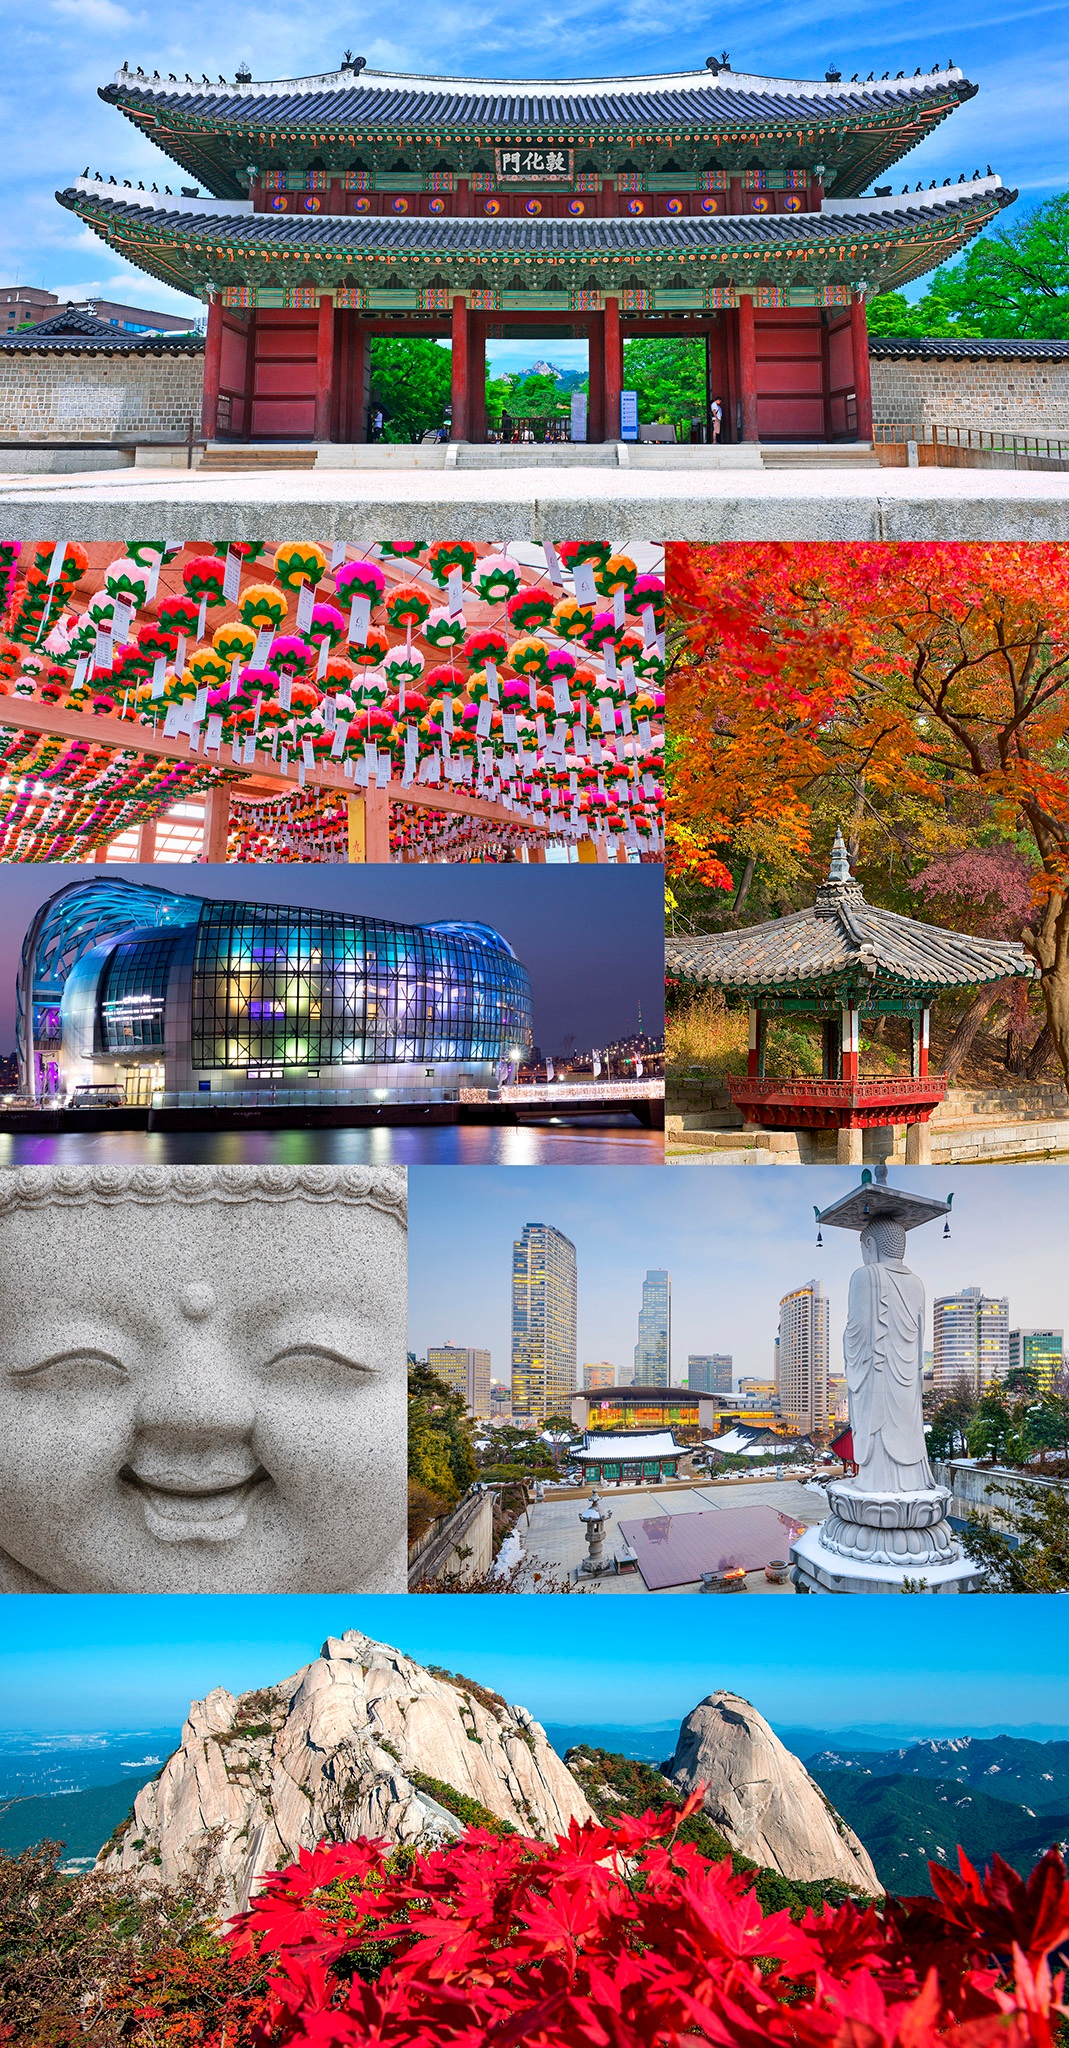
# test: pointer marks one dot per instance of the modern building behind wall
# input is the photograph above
(543, 1323)
(1038, 1351)
(971, 1339)
(653, 1352)
(711, 1374)
(164, 995)
(802, 1354)
(465, 1372)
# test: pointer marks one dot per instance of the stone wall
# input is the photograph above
(1028, 397)
(65, 397)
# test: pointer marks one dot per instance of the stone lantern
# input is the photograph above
(594, 1517)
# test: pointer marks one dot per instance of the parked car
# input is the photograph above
(97, 1095)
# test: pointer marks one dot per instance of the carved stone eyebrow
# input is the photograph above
(77, 1354)
(331, 1353)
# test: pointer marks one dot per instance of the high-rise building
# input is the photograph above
(971, 1333)
(711, 1374)
(601, 1374)
(543, 1322)
(466, 1372)
(802, 1350)
(653, 1352)
(1038, 1351)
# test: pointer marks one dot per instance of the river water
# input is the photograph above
(583, 1143)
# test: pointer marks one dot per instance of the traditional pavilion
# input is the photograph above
(715, 204)
(632, 1458)
(841, 961)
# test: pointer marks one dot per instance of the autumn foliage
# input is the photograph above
(917, 694)
(623, 1937)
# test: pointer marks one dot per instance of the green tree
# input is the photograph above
(1011, 284)
(1034, 1556)
(411, 381)
(535, 397)
(440, 1456)
(668, 374)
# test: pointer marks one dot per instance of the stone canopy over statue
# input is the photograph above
(887, 1529)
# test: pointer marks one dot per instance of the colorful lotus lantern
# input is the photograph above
(297, 562)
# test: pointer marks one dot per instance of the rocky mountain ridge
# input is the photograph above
(336, 1751)
(365, 1741)
(1012, 1768)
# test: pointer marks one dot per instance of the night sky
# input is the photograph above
(591, 938)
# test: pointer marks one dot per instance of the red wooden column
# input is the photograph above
(324, 367)
(213, 364)
(747, 368)
(614, 369)
(477, 376)
(459, 429)
(859, 336)
(216, 822)
(849, 1043)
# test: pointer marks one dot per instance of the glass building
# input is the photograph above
(653, 1352)
(802, 1357)
(1040, 1352)
(712, 1373)
(971, 1340)
(543, 1322)
(163, 993)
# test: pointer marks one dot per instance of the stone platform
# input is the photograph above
(638, 503)
(883, 1543)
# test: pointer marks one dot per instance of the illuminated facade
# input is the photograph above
(543, 1322)
(802, 1353)
(644, 1408)
(1038, 1351)
(465, 1372)
(971, 1333)
(167, 994)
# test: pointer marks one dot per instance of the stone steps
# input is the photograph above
(537, 455)
(821, 455)
(226, 458)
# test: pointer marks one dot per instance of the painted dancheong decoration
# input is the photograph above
(843, 961)
(717, 204)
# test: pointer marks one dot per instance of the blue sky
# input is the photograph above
(591, 938)
(734, 1242)
(134, 1663)
(58, 52)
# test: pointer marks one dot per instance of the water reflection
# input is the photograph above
(585, 1144)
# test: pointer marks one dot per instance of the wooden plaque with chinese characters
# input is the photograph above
(535, 161)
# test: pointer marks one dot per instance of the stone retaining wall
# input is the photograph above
(66, 397)
(999, 395)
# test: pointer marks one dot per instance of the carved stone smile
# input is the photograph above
(189, 1507)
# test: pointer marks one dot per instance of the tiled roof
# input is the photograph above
(83, 334)
(448, 234)
(689, 99)
(891, 348)
(606, 1447)
(844, 941)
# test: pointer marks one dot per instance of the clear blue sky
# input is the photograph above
(734, 1242)
(591, 938)
(129, 1663)
(57, 54)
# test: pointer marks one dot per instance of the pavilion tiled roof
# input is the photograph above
(689, 100)
(71, 331)
(858, 127)
(843, 943)
(172, 241)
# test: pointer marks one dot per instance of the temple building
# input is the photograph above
(634, 1458)
(842, 963)
(318, 213)
(173, 997)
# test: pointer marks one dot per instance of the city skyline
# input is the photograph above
(735, 1244)
(591, 938)
(924, 1668)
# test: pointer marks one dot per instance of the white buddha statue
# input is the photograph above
(883, 1349)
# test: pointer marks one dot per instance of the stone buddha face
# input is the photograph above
(202, 1380)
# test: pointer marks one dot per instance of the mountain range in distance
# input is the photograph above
(910, 1800)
